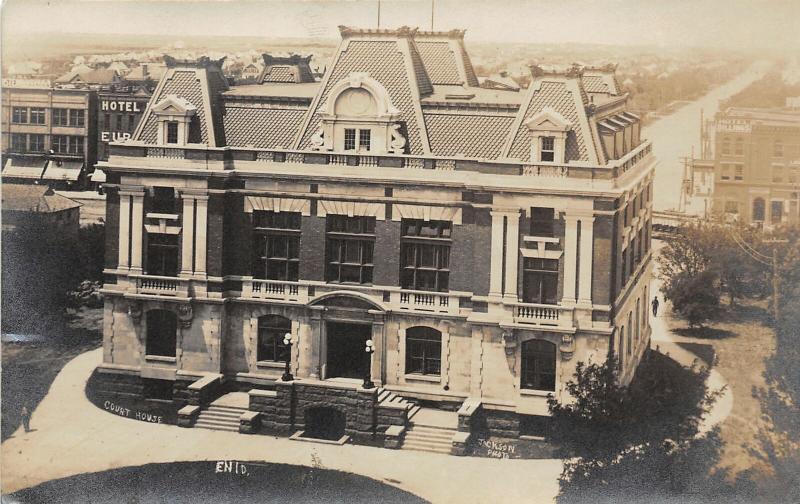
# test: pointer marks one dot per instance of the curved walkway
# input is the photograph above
(72, 436)
(663, 337)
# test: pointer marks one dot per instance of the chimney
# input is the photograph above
(144, 70)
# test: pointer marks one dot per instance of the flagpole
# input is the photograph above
(432, 3)
(379, 14)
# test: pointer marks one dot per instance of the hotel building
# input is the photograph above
(757, 165)
(483, 241)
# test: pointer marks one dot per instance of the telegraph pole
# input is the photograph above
(776, 279)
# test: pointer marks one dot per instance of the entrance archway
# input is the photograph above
(346, 357)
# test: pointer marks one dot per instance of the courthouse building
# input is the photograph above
(757, 165)
(480, 241)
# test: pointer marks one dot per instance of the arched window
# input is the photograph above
(638, 320)
(162, 330)
(538, 365)
(621, 357)
(423, 351)
(759, 209)
(271, 331)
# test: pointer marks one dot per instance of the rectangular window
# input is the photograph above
(425, 255)
(777, 174)
(276, 250)
(540, 281)
(36, 143)
(163, 200)
(107, 121)
(364, 139)
(131, 122)
(777, 212)
(423, 351)
(739, 172)
(726, 146)
(349, 139)
(77, 117)
(19, 142)
(37, 115)
(725, 171)
(19, 115)
(548, 152)
(777, 149)
(542, 221)
(172, 132)
(162, 254)
(60, 117)
(731, 207)
(793, 175)
(739, 147)
(349, 249)
(75, 145)
(59, 144)
(119, 122)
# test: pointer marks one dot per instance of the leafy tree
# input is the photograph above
(695, 298)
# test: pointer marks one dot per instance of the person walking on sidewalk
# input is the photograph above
(26, 418)
(655, 306)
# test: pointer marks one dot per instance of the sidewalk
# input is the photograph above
(667, 343)
(72, 436)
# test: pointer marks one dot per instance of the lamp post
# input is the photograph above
(287, 340)
(370, 349)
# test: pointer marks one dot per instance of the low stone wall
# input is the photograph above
(500, 423)
(121, 394)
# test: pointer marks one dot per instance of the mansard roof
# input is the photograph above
(455, 120)
(201, 84)
(286, 69)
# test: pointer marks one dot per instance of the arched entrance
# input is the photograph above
(346, 357)
(347, 322)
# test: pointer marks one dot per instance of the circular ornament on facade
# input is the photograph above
(359, 101)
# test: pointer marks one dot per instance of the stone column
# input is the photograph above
(378, 363)
(512, 255)
(570, 258)
(587, 249)
(137, 230)
(187, 252)
(315, 345)
(496, 277)
(124, 229)
(201, 232)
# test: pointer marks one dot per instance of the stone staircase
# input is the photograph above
(431, 430)
(429, 438)
(387, 397)
(218, 417)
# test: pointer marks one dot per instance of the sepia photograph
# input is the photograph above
(400, 251)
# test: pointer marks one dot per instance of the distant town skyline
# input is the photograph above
(768, 24)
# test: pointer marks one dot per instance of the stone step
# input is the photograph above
(233, 409)
(231, 414)
(216, 427)
(383, 394)
(426, 436)
(426, 447)
(432, 428)
(218, 420)
(413, 411)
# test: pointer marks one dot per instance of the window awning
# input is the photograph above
(27, 168)
(63, 170)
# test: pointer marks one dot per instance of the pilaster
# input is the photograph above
(496, 271)
(512, 255)
(570, 258)
(587, 253)
(201, 233)
(187, 252)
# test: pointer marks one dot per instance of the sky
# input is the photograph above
(739, 24)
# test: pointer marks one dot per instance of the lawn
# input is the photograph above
(216, 482)
(742, 340)
(30, 364)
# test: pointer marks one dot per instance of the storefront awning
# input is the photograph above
(98, 176)
(24, 168)
(63, 170)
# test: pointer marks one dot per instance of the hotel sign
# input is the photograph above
(26, 83)
(120, 106)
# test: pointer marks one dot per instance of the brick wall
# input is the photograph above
(216, 217)
(238, 232)
(112, 228)
(470, 256)
(312, 248)
(387, 253)
(602, 259)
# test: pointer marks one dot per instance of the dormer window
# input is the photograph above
(548, 149)
(549, 131)
(172, 132)
(358, 116)
(175, 120)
